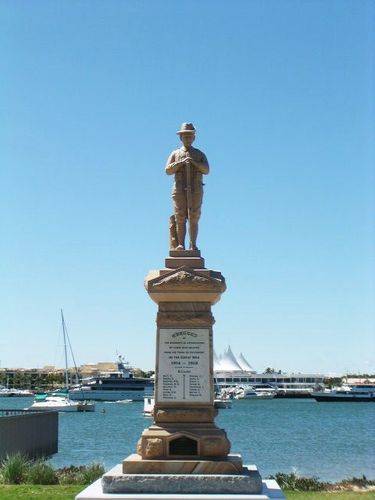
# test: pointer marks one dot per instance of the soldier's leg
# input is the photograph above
(173, 243)
(195, 214)
(180, 211)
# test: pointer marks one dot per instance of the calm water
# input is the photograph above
(329, 440)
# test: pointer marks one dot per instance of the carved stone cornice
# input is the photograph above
(185, 285)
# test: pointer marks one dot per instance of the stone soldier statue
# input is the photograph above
(188, 164)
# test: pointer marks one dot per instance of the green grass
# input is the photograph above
(62, 492)
(31, 491)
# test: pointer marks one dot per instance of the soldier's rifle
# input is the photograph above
(189, 201)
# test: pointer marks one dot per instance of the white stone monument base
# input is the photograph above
(270, 490)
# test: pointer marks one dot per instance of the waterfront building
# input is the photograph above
(93, 369)
(231, 370)
(358, 380)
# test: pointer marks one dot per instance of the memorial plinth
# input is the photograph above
(184, 413)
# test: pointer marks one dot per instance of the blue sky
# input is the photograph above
(282, 96)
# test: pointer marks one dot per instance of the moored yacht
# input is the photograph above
(113, 386)
(10, 393)
(249, 392)
(361, 393)
(59, 402)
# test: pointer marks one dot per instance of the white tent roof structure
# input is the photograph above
(228, 362)
(242, 361)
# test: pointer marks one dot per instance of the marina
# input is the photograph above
(235, 371)
(331, 441)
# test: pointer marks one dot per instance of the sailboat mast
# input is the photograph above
(65, 350)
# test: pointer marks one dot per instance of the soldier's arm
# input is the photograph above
(172, 166)
(202, 165)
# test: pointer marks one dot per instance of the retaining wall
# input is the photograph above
(31, 433)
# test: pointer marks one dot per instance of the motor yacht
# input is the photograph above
(360, 393)
(59, 402)
(5, 392)
(113, 386)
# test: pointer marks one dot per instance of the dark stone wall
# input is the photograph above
(33, 434)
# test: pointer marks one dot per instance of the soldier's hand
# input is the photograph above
(190, 160)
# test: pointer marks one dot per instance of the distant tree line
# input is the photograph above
(31, 380)
(37, 380)
(139, 373)
(272, 370)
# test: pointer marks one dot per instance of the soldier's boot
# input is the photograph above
(193, 230)
(181, 233)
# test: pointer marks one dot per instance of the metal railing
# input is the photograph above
(11, 412)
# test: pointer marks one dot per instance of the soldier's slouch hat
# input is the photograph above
(186, 128)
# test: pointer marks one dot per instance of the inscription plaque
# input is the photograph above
(184, 366)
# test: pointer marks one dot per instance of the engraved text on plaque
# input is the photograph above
(184, 366)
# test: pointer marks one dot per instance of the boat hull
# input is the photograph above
(293, 395)
(64, 408)
(344, 399)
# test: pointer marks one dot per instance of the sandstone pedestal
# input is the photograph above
(183, 452)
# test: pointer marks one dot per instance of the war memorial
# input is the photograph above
(183, 454)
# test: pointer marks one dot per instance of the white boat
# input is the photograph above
(249, 392)
(223, 403)
(148, 406)
(265, 394)
(5, 392)
(60, 400)
(245, 392)
(21, 393)
(54, 403)
(10, 393)
(360, 393)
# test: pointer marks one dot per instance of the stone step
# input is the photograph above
(134, 464)
(190, 262)
(270, 491)
(248, 482)
(184, 253)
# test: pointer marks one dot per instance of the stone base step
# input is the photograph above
(190, 262)
(184, 253)
(249, 481)
(270, 491)
(134, 464)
